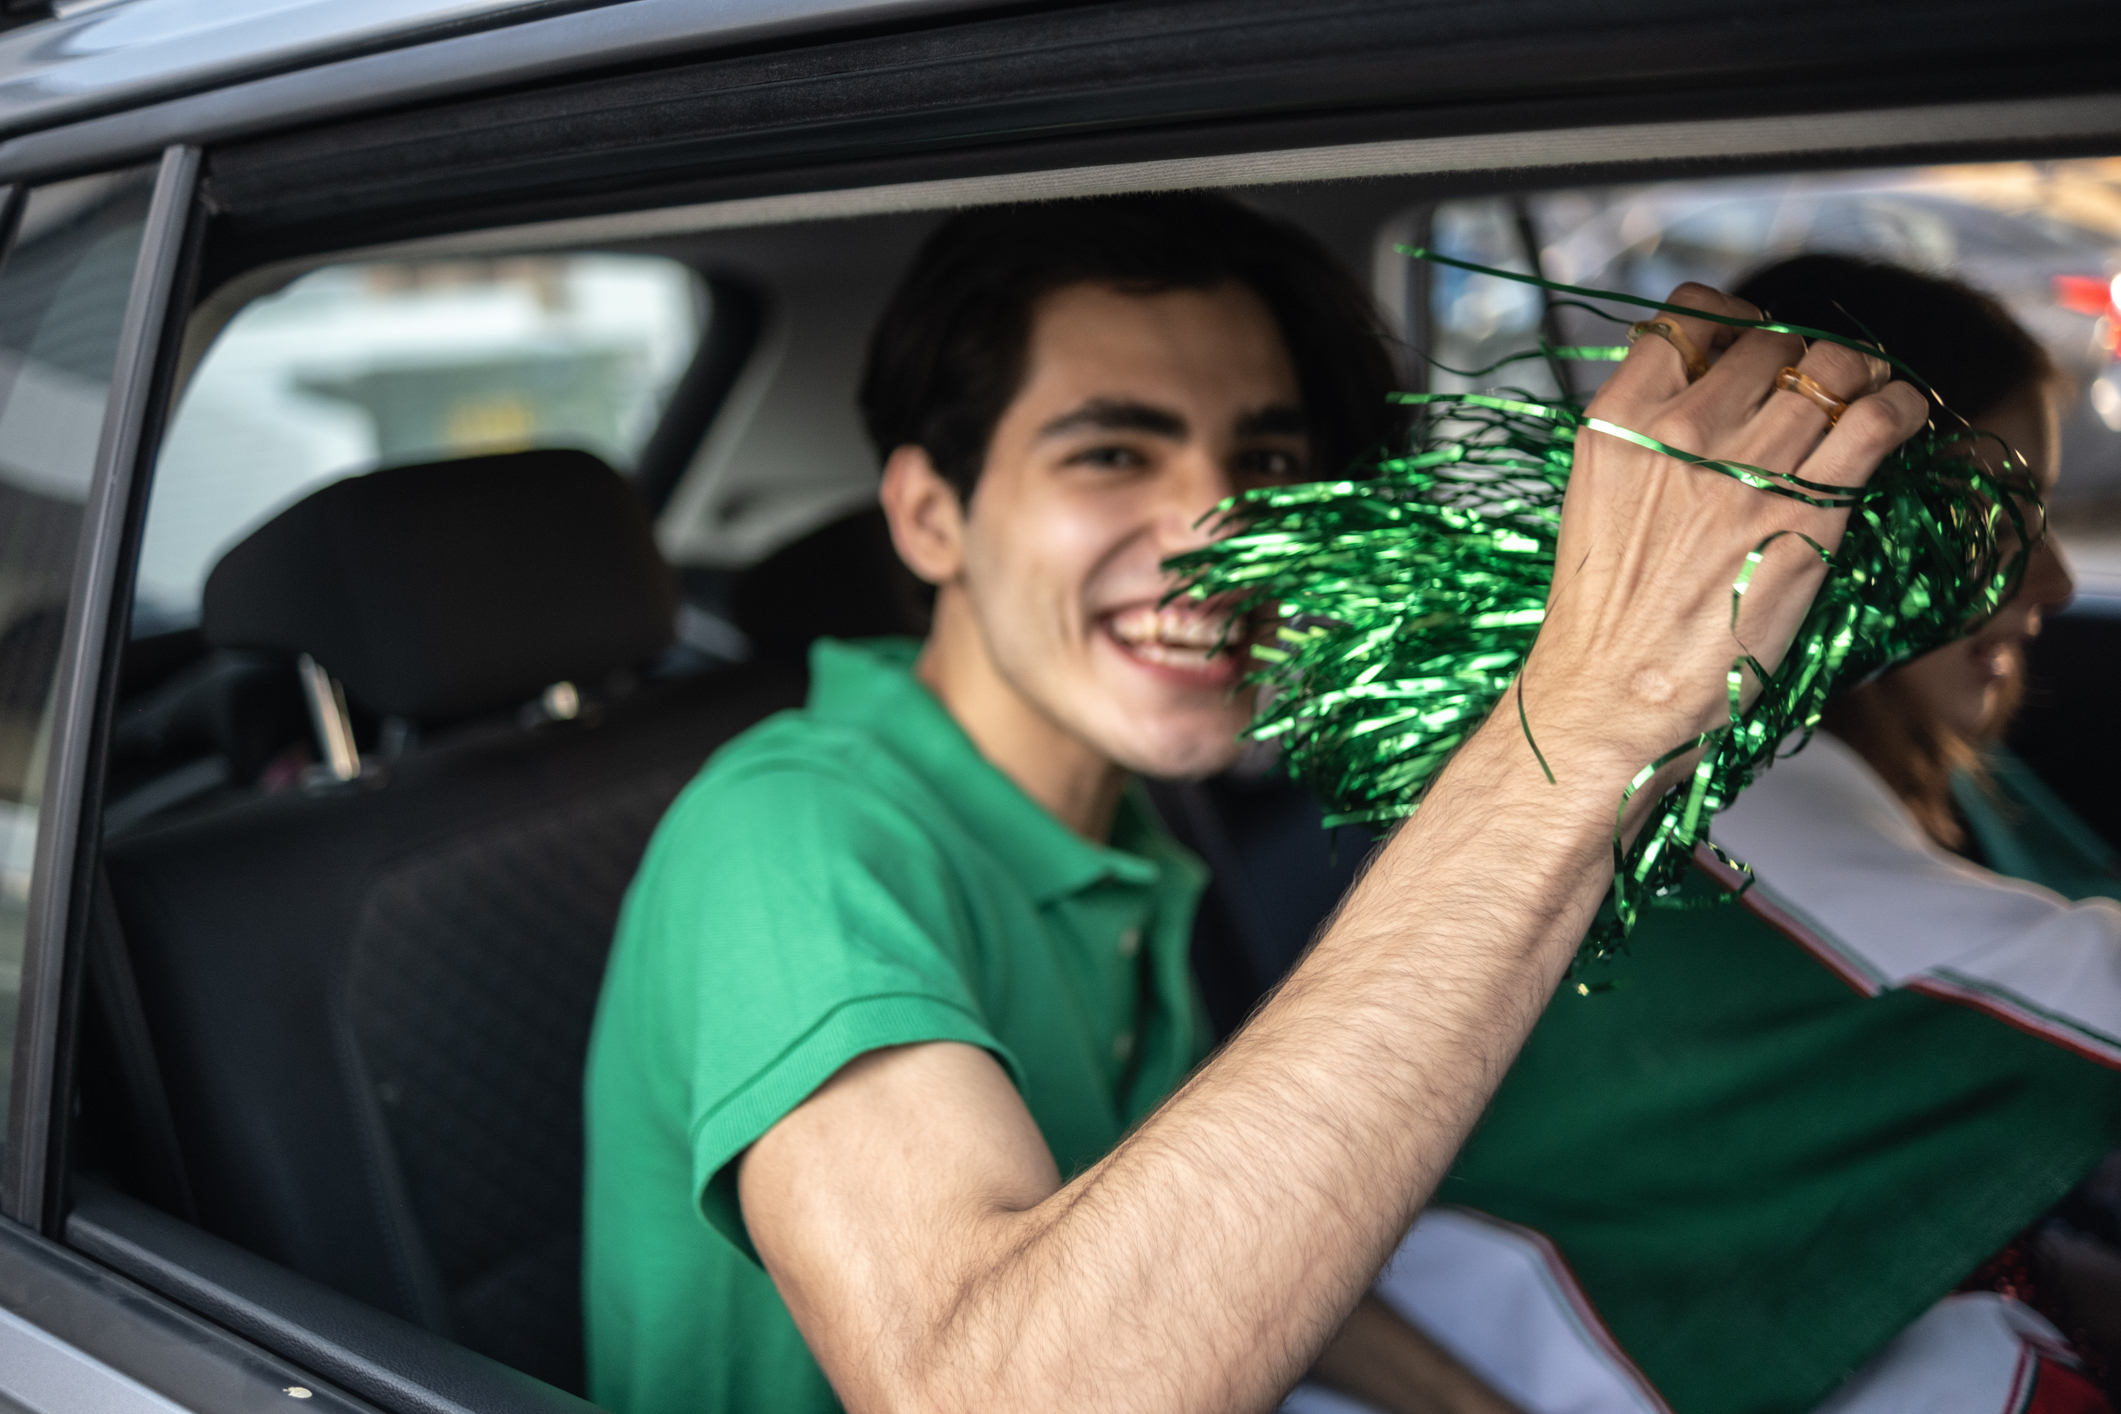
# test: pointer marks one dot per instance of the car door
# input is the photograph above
(654, 111)
(89, 267)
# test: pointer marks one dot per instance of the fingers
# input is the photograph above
(1707, 335)
(1744, 377)
(1794, 418)
(1879, 373)
(1833, 425)
(1873, 425)
(1657, 366)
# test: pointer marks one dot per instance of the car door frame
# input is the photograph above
(75, 1335)
(92, 1317)
(30, 1192)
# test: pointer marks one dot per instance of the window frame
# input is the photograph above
(704, 376)
(31, 1186)
(736, 316)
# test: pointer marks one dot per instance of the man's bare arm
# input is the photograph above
(909, 1212)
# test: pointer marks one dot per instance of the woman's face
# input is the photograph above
(1971, 686)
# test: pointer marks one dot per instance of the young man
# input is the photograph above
(883, 1073)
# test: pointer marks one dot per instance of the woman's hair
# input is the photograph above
(948, 354)
(1915, 753)
(1962, 342)
(1976, 357)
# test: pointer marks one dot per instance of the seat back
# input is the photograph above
(371, 999)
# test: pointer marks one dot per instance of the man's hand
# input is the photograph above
(909, 1211)
(1639, 639)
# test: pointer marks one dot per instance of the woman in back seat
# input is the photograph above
(1762, 1166)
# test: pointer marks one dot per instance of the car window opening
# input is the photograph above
(414, 674)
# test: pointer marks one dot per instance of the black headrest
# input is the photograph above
(446, 590)
(842, 580)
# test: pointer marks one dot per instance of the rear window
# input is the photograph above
(357, 366)
(2045, 238)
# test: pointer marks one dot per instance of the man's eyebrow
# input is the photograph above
(1281, 420)
(1118, 415)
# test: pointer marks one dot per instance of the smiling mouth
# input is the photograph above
(1183, 638)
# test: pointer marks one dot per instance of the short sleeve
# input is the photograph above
(792, 920)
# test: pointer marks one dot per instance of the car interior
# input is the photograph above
(463, 554)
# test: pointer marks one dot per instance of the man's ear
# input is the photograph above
(927, 519)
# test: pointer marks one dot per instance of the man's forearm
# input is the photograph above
(1262, 1199)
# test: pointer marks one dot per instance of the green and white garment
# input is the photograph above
(1747, 1177)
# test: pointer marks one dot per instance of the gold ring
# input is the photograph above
(1791, 380)
(1672, 334)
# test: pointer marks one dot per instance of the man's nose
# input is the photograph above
(1196, 482)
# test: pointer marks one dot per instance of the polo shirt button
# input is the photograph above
(1123, 1046)
(1130, 942)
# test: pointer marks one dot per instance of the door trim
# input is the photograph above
(68, 816)
(1881, 138)
(128, 1350)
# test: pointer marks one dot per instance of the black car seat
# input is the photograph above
(1275, 875)
(841, 580)
(370, 998)
(2073, 674)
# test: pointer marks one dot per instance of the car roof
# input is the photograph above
(945, 74)
(104, 56)
(101, 56)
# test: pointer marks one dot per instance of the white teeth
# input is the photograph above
(1166, 653)
(1157, 632)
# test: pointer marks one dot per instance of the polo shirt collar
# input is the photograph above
(869, 684)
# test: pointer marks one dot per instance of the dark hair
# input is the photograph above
(1967, 346)
(948, 354)
(1962, 342)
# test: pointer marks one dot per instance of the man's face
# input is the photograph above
(1137, 414)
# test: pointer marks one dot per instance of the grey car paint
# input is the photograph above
(68, 102)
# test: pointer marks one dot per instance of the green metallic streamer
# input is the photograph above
(1399, 607)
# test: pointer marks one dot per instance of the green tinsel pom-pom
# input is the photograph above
(1404, 603)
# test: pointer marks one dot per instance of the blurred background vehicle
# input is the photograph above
(2045, 237)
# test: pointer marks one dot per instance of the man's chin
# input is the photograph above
(1181, 756)
(1166, 731)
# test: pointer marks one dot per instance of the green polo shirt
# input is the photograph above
(840, 878)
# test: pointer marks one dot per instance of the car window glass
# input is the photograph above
(357, 366)
(2043, 237)
(63, 289)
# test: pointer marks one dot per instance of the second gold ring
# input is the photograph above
(1792, 380)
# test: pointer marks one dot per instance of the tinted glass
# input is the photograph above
(62, 299)
(357, 366)
(2043, 237)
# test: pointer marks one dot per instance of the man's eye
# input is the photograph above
(1270, 467)
(1115, 458)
